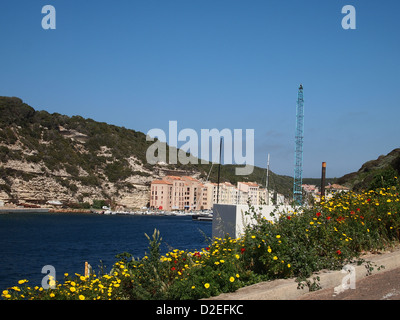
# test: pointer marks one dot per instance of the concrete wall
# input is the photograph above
(231, 219)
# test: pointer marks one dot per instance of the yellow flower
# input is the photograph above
(5, 292)
(237, 256)
(22, 281)
(81, 297)
(222, 261)
(52, 295)
(311, 223)
(278, 236)
(275, 258)
(269, 249)
(253, 237)
(288, 265)
(72, 289)
(206, 285)
(237, 275)
(231, 279)
(193, 287)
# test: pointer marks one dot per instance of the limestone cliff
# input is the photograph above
(71, 159)
(75, 161)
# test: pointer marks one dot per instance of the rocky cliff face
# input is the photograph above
(76, 161)
(43, 186)
(70, 159)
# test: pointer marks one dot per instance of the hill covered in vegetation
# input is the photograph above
(373, 174)
(75, 160)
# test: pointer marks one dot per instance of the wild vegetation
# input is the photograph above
(374, 173)
(56, 141)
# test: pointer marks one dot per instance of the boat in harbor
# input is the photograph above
(203, 216)
(196, 215)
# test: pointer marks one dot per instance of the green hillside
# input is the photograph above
(87, 159)
(373, 174)
(56, 141)
(76, 153)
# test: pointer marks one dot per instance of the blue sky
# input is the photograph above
(217, 64)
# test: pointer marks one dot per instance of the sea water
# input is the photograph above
(29, 241)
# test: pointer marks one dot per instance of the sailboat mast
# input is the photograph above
(266, 182)
(219, 167)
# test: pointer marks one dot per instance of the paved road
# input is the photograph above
(381, 286)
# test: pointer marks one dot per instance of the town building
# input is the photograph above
(161, 194)
(189, 194)
(335, 188)
(313, 191)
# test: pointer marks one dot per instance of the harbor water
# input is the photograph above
(29, 241)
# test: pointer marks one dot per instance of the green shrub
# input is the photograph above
(98, 204)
